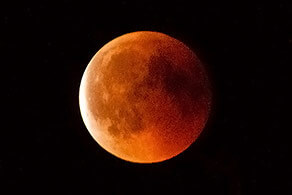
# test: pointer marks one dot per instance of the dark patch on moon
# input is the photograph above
(182, 86)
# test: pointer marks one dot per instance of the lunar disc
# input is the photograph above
(145, 97)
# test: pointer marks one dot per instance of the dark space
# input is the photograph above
(245, 147)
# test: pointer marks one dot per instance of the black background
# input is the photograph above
(245, 148)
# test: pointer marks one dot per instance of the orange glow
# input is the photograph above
(145, 97)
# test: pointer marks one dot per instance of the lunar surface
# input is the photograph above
(145, 97)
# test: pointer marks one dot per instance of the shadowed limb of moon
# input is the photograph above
(145, 97)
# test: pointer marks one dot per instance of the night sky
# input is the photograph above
(245, 147)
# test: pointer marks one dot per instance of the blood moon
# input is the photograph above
(145, 97)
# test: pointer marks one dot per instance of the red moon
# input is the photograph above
(145, 97)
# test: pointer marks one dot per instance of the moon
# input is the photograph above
(145, 97)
